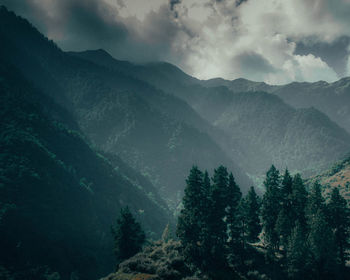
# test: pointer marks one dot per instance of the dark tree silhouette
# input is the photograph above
(128, 235)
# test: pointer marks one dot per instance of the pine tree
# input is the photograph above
(339, 220)
(271, 206)
(298, 202)
(322, 247)
(252, 211)
(216, 223)
(316, 201)
(234, 219)
(283, 227)
(128, 235)
(287, 186)
(205, 219)
(285, 220)
(297, 253)
(189, 222)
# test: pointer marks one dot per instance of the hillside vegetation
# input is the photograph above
(336, 177)
(59, 197)
(252, 124)
(157, 134)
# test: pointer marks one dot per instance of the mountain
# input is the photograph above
(338, 176)
(58, 196)
(332, 99)
(158, 74)
(254, 127)
(158, 134)
(272, 132)
(239, 85)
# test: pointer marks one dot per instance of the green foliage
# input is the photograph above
(299, 201)
(159, 260)
(128, 235)
(191, 220)
(217, 225)
(210, 223)
(155, 133)
(322, 247)
(339, 220)
(252, 215)
(285, 220)
(234, 217)
(270, 206)
(316, 201)
(297, 254)
(54, 184)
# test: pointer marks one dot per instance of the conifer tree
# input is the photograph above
(316, 201)
(339, 220)
(322, 247)
(205, 230)
(252, 212)
(286, 186)
(283, 227)
(234, 218)
(299, 201)
(216, 223)
(285, 220)
(128, 235)
(189, 222)
(271, 206)
(297, 253)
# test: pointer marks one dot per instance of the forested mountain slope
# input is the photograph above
(338, 176)
(333, 99)
(271, 131)
(58, 197)
(158, 134)
(255, 128)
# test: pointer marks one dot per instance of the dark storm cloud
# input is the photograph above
(262, 40)
(335, 53)
(253, 65)
(91, 24)
(73, 24)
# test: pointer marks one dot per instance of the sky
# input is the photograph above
(275, 41)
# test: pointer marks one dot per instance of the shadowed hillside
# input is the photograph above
(58, 197)
(254, 127)
(153, 132)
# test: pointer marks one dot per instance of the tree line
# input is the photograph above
(291, 232)
(299, 234)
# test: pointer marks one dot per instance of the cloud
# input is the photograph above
(348, 63)
(335, 54)
(252, 65)
(275, 41)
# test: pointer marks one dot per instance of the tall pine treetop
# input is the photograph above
(128, 235)
(272, 179)
(287, 183)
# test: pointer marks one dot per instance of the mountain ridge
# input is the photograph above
(118, 112)
(212, 102)
(57, 194)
